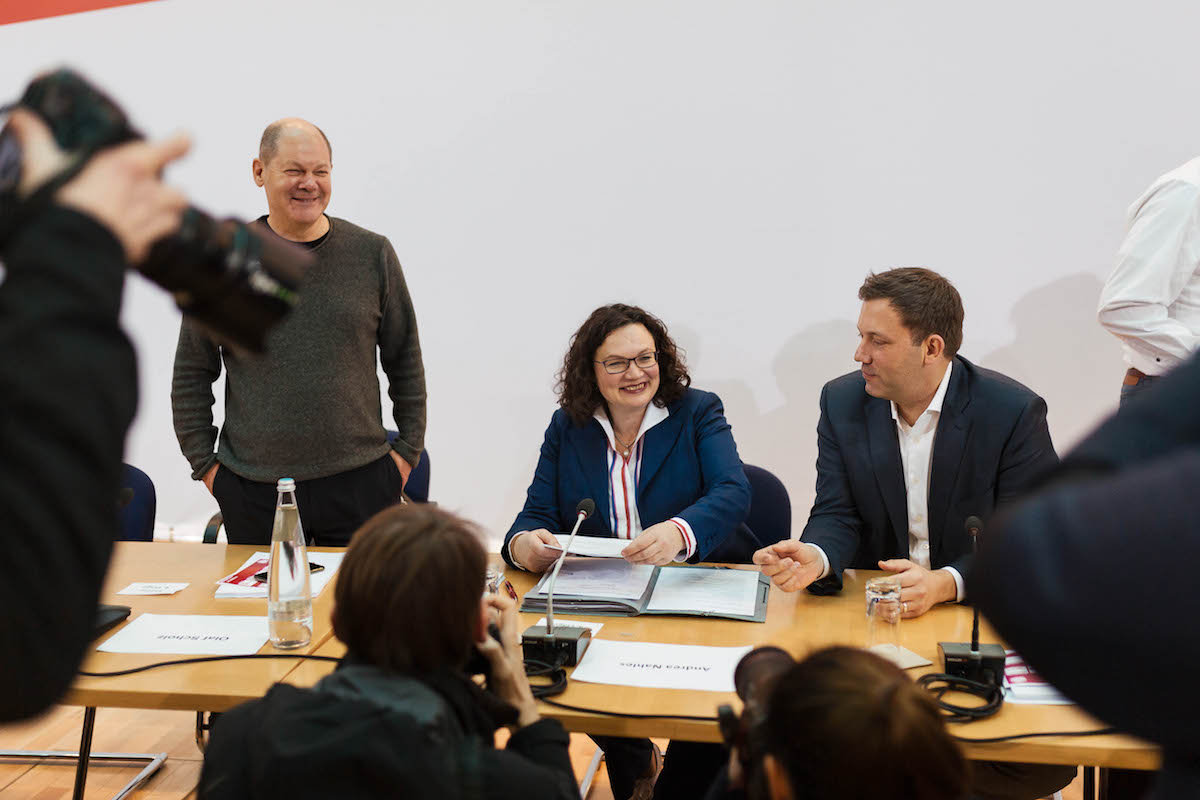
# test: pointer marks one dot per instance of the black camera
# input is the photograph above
(235, 280)
(753, 679)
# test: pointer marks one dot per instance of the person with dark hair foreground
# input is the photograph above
(400, 717)
(659, 460)
(1092, 579)
(68, 390)
(845, 724)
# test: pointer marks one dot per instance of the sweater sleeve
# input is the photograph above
(400, 356)
(197, 367)
(68, 391)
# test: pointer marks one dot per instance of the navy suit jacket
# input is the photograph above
(690, 469)
(991, 442)
(1093, 578)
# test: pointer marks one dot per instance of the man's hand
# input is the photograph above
(210, 477)
(920, 589)
(791, 564)
(507, 660)
(404, 467)
(121, 188)
(658, 545)
(530, 551)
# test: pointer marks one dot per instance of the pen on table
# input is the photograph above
(508, 587)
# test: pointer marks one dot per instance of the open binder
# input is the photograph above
(612, 587)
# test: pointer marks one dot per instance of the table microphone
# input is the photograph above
(540, 642)
(975, 661)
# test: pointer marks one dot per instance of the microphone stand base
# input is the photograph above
(986, 665)
(565, 646)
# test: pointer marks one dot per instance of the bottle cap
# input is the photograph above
(286, 485)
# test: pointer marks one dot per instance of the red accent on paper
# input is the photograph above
(25, 10)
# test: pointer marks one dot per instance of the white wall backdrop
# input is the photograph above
(737, 168)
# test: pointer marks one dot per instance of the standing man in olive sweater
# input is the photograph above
(309, 408)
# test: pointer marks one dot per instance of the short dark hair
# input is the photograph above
(926, 302)
(578, 393)
(268, 145)
(408, 591)
(845, 723)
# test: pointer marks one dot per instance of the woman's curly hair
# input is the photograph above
(578, 393)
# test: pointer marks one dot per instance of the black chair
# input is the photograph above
(137, 505)
(770, 518)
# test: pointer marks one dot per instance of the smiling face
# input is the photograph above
(633, 389)
(298, 183)
(891, 364)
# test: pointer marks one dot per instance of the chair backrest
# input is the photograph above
(140, 503)
(417, 487)
(770, 517)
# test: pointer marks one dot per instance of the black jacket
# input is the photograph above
(1092, 577)
(992, 441)
(68, 389)
(365, 733)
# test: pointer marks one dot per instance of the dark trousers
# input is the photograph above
(1135, 385)
(331, 508)
(1004, 780)
(689, 768)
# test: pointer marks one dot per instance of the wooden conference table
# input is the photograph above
(798, 622)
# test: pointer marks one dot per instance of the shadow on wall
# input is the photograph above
(1061, 352)
(784, 440)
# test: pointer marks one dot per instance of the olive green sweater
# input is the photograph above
(309, 407)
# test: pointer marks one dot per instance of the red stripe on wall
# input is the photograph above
(25, 10)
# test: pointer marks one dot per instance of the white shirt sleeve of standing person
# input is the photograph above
(1151, 300)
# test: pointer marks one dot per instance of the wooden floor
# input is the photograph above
(172, 732)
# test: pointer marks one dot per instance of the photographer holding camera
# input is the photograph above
(68, 390)
(401, 717)
(843, 724)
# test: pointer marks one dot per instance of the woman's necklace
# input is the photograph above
(626, 446)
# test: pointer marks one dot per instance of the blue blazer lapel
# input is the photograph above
(889, 471)
(591, 454)
(949, 450)
(659, 442)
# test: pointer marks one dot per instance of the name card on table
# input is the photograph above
(153, 588)
(189, 634)
(660, 666)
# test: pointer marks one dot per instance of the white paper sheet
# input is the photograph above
(153, 588)
(594, 627)
(231, 586)
(719, 591)
(902, 657)
(593, 546)
(660, 666)
(599, 578)
(189, 634)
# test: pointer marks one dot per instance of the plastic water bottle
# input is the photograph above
(289, 592)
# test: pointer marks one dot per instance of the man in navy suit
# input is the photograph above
(910, 446)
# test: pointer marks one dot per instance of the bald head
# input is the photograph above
(268, 146)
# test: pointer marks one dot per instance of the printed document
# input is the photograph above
(599, 578)
(712, 591)
(242, 583)
(189, 635)
(594, 546)
(660, 666)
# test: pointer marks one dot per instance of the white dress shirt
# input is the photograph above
(1152, 298)
(624, 469)
(916, 459)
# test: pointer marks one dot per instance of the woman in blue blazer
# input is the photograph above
(659, 460)
(656, 456)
